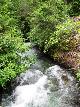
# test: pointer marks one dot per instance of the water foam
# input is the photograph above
(34, 95)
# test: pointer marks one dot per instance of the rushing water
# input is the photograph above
(43, 85)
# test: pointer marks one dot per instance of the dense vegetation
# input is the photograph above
(74, 7)
(50, 25)
(11, 42)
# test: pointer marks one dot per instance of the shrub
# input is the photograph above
(11, 43)
(63, 37)
(44, 20)
(74, 8)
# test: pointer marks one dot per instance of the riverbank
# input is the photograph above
(71, 57)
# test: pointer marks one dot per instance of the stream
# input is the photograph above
(44, 84)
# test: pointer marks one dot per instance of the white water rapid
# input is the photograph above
(34, 95)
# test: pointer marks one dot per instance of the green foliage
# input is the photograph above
(74, 8)
(11, 43)
(61, 38)
(78, 74)
(44, 20)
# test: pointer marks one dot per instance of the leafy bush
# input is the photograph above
(11, 43)
(44, 20)
(74, 8)
(11, 63)
(63, 37)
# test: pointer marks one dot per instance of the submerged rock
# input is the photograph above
(64, 77)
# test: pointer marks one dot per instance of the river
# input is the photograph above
(44, 84)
